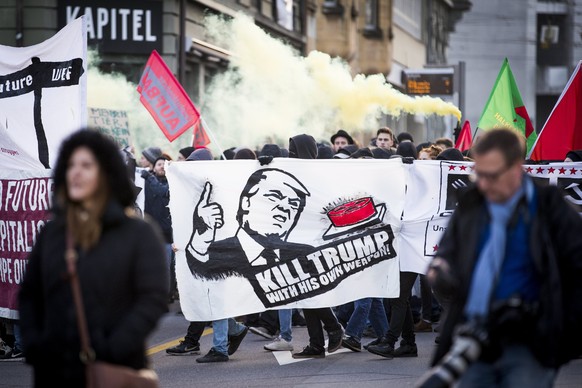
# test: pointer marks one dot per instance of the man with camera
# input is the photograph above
(510, 263)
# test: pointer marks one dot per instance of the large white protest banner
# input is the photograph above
(25, 199)
(295, 233)
(431, 197)
(43, 92)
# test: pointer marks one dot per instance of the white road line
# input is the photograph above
(285, 357)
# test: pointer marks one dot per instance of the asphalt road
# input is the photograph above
(251, 366)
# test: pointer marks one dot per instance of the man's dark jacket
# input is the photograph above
(556, 247)
(156, 199)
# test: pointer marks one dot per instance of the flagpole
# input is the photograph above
(474, 134)
(211, 134)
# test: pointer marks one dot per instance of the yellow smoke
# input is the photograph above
(270, 92)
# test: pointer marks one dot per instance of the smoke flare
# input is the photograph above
(270, 93)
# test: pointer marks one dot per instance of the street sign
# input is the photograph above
(432, 81)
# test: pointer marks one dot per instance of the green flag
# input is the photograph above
(505, 109)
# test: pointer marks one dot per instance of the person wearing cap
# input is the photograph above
(345, 152)
(341, 139)
(200, 154)
(184, 153)
(404, 137)
(149, 156)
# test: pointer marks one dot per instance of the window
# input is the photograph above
(332, 7)
(372, 29)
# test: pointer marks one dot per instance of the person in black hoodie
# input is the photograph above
(305, 147)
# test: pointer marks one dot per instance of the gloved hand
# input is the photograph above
(265, 159)
(144, 174)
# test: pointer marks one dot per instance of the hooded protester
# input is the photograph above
(382, 153)
(574, 156)
(345, 152)
(272, 150)
(324, 152)
(302, 147)
(305, 147)
(245, 153)
(185, 152)
(362, 153)
(407, 150)
(451, 154)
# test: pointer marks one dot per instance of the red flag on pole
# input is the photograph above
(465, 138)
(562, 132)
(165, 99)
(200, 138)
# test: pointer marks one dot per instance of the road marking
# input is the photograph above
(284, 358)
(166, 345)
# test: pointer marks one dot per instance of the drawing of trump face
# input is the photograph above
(271, 203)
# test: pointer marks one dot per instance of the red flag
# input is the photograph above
(562, 132)
(165, 99)
(200, 138)
(465, 138)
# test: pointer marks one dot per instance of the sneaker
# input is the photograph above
(16, 353)
(369, 332)
(406, 350)
(383, 348)
(423, 326)
(184, 348)
(437, 339)
(235, 340)
(335, 340)
(212, 356)
(5, 351)
(279, 344)
(310, 352)
(352, 343)
(263, 332)
(375, 342)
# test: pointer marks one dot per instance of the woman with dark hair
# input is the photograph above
(121, 268)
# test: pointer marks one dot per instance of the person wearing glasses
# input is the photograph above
(511, 262)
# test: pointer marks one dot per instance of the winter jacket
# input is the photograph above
(124, 288)
(556, 249)
(156, 200)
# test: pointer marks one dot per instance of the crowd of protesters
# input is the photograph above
(384, 321)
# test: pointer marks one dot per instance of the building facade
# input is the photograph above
(124, 32)
(541, 39)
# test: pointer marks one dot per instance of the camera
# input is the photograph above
(469, 340)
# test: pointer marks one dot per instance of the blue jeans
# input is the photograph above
(517, 367)
(17, 338)
(169, 252)
(285, 324)
(221, 329)
(372, 308)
